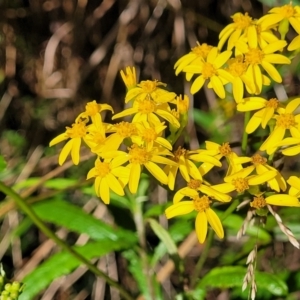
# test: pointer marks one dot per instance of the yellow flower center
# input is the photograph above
(258, 160)
(149, 135)
(237, 67)
(146, 106)
(78, 130)
(254, 56)
(240, 184)
(126, 129)
(272, 103)
(241, 21)
(201, 203)
(194, 184)
(102, 168)
(287, 11)
(208, 70)
(258, 202)
(179, 152)
(97, 137)
(138, 155)
(225, 149)
(92, 108)
(202, 50)
(286, 121)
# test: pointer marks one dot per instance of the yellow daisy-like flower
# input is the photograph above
(223, 150)
(150, 90)
(150, 136)
(211, 71)
(107, 174)
(129, 77)
(281, 15)
(233, 31)
(265, 58)
(241, 181)
(279, 199)
(205, 215)
(267, 109)
(92, 110)
(147, 110)
(139, 156)
(260, 165)
(285, 120)
(184, 161)
(197, 55)
(75, 133)
(119, 132)
(194, 186)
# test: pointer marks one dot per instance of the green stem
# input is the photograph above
(39, 223)
(137, 211)
(208, 243)
(245, 134)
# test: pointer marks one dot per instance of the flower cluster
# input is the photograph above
(155, 118)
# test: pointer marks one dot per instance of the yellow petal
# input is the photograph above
(218, 87)
(215, 222)
(197, 84)
(201, 226)
(283, 200)
(157, 172)
(179, 209)
(104, 191)
(65, 152)
(134, 177)
(262, 178)
(114, 184)
(58, 139)
(272, 71)
(76, 151)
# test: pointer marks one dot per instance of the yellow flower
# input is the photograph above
(129, 77)
(120, 131)
(279, 199)
(148, 110)
(184, 161)
(211, 70)
(107, 174)
(260, 165)
(241, 181)
(150, 136)
(194, 186)
(205, 215)
(197, 55)
(139, 156)
(267, 109)
(96, 137)
(284, 14)
(223, 150)
(92, 110)
(149, 90)
(256, 57)
(182, 104)
(75, 134)
(233, 31)
(285, 120)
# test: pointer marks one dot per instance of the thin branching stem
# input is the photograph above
(245, 134)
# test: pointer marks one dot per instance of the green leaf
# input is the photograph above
(229, 277)
(2, 163)
(164, 236)
(74, 218)
(63, 263)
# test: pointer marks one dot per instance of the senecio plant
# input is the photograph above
(245, 60)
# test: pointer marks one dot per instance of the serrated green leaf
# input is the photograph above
(63, 263)
(164, 236)
(229, 277)
(74, 218)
